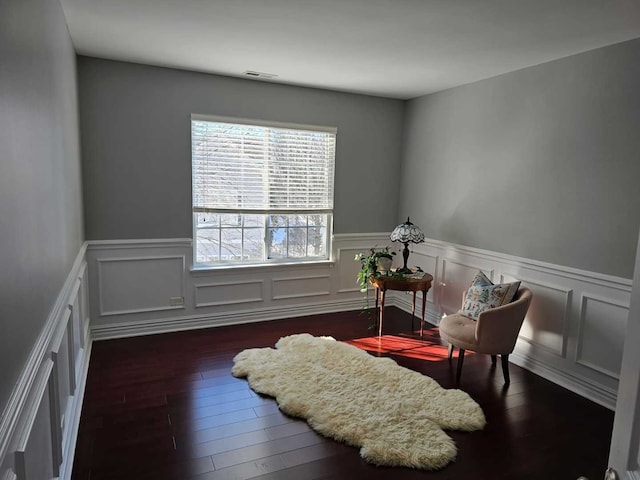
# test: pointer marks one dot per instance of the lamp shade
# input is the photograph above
(407, 232)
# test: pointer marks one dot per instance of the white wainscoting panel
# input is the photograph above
(300, 287)
(456, 277)
(603, 323)
(76, 330)
(63, 367)
(572, 334)
(38, 429)
(347, 270)
(33, 453)
(428, 263)
(219, 296)
(140, 284)
(228, 293)
(574, 330)
(547, 321)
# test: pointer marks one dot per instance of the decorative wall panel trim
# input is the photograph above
(30, 412)
(103, 312)
(434, 290)
(560, 362)
(550, 268)
(242, 285)
(18, 397)
(73, 424)
(579, 351)
(56, 427)
(174, 324)
(342, 259)
(471, 266)
(548, 345)
(365, 238)
(35, 397)
(446, 283)
(568, 292)
(311, 293)
(143, 243)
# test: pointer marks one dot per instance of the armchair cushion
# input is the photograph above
(482, 296)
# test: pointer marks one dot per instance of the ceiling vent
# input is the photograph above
(254, 74)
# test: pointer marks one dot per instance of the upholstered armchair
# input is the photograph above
(495, 332)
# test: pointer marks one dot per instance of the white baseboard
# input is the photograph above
(582, 386)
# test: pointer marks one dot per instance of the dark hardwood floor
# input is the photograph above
(167, 407)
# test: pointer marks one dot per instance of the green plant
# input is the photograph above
(369, 265)
(368, 269)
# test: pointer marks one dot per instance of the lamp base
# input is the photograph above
(403, 270)
(405, 257)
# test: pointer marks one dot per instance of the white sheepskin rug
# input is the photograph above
(394, 414)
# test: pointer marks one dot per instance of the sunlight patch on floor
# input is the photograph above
(426, 349)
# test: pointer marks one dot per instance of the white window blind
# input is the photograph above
(261, 168)
(246, 168)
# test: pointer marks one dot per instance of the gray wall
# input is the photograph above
(542, 163)
(40, 192)
(136, 145)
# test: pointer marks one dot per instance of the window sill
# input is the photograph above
(260, 266)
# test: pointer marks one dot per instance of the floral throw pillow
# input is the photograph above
(483, 295)
(481, 280)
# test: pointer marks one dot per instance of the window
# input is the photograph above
(262, 192)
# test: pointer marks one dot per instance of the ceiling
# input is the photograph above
(390, 48)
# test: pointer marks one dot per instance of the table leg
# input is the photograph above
(424, 307)
(413, 310)
(376, 313)
(382, 292)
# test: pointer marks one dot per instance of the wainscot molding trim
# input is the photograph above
(192, 322)
(31, 411)
(583, 310)
(275, 281)
(139, 243)
(568, 295)
(146, 258)
(199, 286)
(563, 289)
(25, 383)
(359, 237)
(69, 449)
(39, 384)
(561, 270)
(549, 345)
(445, 260)
(576, 383)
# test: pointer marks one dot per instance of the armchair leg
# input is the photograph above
(493, 360)
(505, 368)
(451, 347)
(460, 362)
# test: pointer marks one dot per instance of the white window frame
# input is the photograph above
(266, 261)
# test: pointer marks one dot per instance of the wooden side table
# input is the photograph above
(383, 283)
